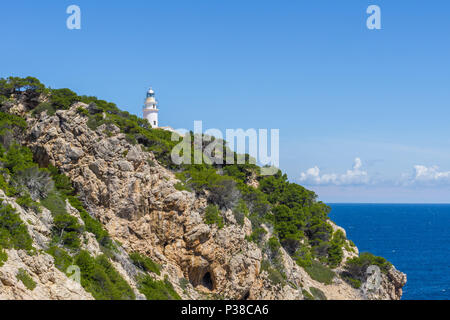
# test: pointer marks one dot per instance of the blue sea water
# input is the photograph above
(413, 237)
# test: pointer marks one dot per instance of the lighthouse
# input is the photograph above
(151, 108)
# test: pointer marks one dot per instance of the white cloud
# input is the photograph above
(427, 176)
(355, 176)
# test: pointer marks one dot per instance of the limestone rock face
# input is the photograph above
(51, 284)
(135, 198)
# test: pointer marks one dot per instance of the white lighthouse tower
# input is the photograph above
(151, 108)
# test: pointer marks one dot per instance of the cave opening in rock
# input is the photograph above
(246, 296)
(207, 281)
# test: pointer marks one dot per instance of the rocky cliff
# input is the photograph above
(136, 199)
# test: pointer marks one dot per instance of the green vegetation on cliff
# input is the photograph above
(157, 289)
(13, 232)
(145, 263)
(212, 216)
(26, 279)
(99, 277)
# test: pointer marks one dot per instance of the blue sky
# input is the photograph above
(337, 91)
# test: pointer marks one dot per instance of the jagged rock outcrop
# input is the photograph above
(135, 198)
(51, 283)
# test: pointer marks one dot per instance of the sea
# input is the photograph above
(415, 238)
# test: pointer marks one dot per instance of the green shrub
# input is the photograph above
(9, 190)
(63, 98)
(273, 248)
(66, 228)
(28, 203)
(257, 235)
(275, 276)
(213, 216)
(130, 139)
(240, 211)
(95, 121)
(100, 278)
(181, 187)
(319, 232)
(288, 226)
(335, 252)
(357, 266)
(317, 294)
(83, 111)
(184, 283)
(222, 189)
(55, 203)
(67, 231)
(61, 181)
(13, 232)
(303, 257)
(11, 121)
(256, 202)
(23, 276)
(339, 236)
(62, 259)
(145, 263)
(157, 290)
(224, 193)
(355, 283)
(17, 158)
(307, 295)
(319, 272)
(44, 106)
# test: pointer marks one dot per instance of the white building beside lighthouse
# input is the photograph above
(151, 109)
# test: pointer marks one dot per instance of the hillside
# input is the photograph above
(87, 187)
